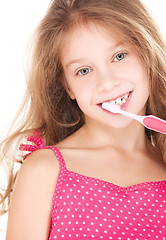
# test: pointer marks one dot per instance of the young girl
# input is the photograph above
(89, 173)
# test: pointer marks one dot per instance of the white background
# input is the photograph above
(18, 19)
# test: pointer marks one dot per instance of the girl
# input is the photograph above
(95, 175)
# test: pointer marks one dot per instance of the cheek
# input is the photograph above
(139, 74)
(83, 97)
(79, 89)
(143, 81)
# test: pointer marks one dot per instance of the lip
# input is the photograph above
(123, 106)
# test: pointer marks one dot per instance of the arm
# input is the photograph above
(30, 208)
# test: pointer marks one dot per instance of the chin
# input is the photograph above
(123, 124)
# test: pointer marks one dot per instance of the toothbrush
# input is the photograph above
(150, 121)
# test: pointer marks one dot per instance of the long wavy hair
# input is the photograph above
(47, 106)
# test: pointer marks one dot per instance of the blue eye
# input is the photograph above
(83, 71)
(119, 56)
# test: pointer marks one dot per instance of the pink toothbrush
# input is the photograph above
(151, 122)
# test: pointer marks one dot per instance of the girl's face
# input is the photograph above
(98, 68)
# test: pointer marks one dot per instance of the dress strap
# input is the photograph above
(38, 143)
(59, 157)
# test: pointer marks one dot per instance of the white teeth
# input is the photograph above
(120, 100)
(112, 102)
(126, 96)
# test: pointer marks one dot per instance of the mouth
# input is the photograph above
(121, 101)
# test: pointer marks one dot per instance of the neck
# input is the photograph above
(128, 138)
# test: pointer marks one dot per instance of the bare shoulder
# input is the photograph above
(41, 166)
(41, 160)
(32, 197)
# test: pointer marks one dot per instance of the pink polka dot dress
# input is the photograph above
(89, 208)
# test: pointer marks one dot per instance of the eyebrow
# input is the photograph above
(79, 60)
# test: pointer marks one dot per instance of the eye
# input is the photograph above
(83, 71)
(119, 56)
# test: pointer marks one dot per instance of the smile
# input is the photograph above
(120, 100)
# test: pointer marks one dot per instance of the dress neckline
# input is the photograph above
(138, 186)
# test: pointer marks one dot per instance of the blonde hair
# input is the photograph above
(47, 106)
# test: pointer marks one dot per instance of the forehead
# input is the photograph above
(85, 39)
(86, 36)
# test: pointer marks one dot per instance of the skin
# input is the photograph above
(112, 68)
(109, 147)
(30, 208)
(99, 67)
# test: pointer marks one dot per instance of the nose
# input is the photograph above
(106, 80)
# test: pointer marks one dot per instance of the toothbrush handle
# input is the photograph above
(155, 123)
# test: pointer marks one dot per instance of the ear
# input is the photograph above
(70, 92)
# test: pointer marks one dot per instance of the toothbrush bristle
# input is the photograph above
(111, 107)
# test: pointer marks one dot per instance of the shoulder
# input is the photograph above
(40, 170)
(41, 164)
(41, 159)
(32, 196)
